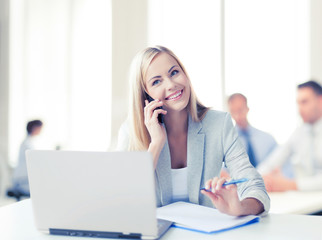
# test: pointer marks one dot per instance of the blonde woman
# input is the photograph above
(189, 147)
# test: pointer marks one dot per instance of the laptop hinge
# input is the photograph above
(96, 234)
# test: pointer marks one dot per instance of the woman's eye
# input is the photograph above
(174, 72)
(156, 82)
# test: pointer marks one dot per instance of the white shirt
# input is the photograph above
(20, 176)
(304, 149)
(180, 184)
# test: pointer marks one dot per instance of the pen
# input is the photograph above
(234, 181)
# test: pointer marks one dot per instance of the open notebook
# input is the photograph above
(202, 219)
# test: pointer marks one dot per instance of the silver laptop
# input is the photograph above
(94, 194)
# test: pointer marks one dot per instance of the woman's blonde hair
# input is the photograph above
(139, 135)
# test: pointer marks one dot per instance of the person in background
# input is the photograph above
(304, 147)
(258, 144)
(190, 144)
(20, 176)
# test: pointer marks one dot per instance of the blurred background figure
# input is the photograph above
(258, 144)
(20, 176)
(304, 147)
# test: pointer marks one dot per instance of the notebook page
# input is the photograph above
(200, 218)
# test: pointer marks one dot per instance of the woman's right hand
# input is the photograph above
(156, 130)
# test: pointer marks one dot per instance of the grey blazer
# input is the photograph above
(211, 142)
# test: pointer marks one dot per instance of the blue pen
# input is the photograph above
(241, 180)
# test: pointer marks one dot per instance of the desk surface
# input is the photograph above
(16, 221)
(296, 202)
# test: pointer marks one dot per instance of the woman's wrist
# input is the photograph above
(251, 206)
(155, 148)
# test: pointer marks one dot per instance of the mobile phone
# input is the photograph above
(150, 99)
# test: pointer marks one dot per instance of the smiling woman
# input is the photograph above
(170, 86)
(192, 143)
(146, 76)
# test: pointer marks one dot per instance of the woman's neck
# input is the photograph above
(176, 122)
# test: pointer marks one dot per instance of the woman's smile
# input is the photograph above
(175, 96)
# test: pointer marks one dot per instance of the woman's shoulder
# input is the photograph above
(215, 116)
(124, 127)
(215, 121)
(123, 137)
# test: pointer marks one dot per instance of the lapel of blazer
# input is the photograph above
(195, 159)
(163, 171)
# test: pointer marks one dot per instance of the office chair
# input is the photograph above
(17, 194)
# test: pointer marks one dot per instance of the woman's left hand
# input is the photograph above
(224, 198)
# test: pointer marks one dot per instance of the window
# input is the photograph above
(60, 72)
(266, 53)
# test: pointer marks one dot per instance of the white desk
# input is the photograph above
(296, 202)
(16, 223)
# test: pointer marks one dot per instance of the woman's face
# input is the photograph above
(166, 81)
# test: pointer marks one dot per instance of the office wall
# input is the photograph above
(129, 35)
(316, 39)
(4, 90)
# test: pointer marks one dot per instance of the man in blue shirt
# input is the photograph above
(258, 144)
